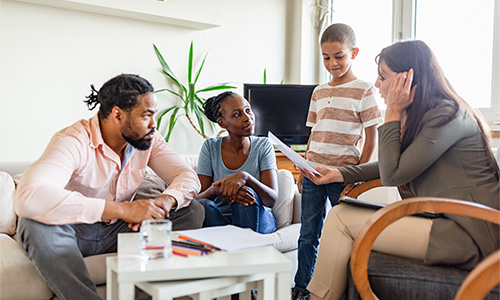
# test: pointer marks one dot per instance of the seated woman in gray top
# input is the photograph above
(237, 172)
(432, 144)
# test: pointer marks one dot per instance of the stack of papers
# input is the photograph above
(229, 237)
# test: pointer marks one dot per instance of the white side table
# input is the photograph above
(265, 266)
(206, 289)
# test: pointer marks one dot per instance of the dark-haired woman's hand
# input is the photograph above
(230, 185)
(400, 96)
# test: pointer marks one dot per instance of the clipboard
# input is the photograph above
(373, 205)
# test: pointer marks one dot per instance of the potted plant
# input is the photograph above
(190, 102)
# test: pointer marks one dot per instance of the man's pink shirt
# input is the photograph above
(78, 172)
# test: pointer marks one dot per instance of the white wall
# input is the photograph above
(50, 56)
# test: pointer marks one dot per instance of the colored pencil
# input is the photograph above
(189, 244)
(174, 251)
(189, 251)
(182, 237)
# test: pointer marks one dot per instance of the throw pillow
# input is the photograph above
(151, 186)
(7, 214)
(283, 208)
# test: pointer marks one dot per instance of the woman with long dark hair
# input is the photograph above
(432, 144)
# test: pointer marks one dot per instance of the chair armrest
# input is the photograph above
(484, 277)
(362, 187)
(384, 217)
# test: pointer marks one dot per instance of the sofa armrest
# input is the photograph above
(287, 237)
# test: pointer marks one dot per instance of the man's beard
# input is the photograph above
(138, 143)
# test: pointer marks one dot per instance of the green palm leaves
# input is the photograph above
(191, 103)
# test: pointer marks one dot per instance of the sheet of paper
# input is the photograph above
(229, 237)
(292, 155)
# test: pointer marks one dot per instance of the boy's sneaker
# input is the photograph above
(300, 296)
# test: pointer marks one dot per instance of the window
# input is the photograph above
(373, 33)
(465, 38)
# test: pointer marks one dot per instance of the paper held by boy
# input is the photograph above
(292, 155)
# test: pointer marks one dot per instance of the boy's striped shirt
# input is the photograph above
(338, 116)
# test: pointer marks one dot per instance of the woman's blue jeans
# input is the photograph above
(255, 216)
(313, 214)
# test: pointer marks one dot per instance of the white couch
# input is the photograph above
(20, 280)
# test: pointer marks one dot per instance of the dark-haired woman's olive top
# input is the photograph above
(448, 162)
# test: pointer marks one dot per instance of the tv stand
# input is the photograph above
(284, 163)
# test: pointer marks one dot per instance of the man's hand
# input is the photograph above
(167, 202)
(139, 210)
(133, 212)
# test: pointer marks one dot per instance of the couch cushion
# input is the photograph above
(19, 278)
(7, 214)
(96, 265)
(151, 186)
(191, 160)
(283, 208)
(287, 238)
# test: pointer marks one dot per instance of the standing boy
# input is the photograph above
(338, 113)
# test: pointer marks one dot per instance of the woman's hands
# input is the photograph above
(328, 175)
(232, 188)
(400, 96)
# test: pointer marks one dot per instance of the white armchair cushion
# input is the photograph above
(283, 208)
(7, 214)
(191, 160)
(287, 238)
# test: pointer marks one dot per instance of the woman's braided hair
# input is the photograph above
(212, 105)
(122, 91)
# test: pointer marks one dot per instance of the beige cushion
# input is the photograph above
(283, 208)
(19, 278)
(287, 238)
(191, 160)
(96, 265)
(7, 214)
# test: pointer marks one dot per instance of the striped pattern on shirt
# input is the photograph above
(338, 116)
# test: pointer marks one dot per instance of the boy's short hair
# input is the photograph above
(340, 33)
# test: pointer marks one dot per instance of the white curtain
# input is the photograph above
(321, 14)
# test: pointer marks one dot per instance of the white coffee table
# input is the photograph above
(124, 271)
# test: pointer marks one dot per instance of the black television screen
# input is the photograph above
(281, 109)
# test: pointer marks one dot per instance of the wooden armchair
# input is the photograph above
(478, 284)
